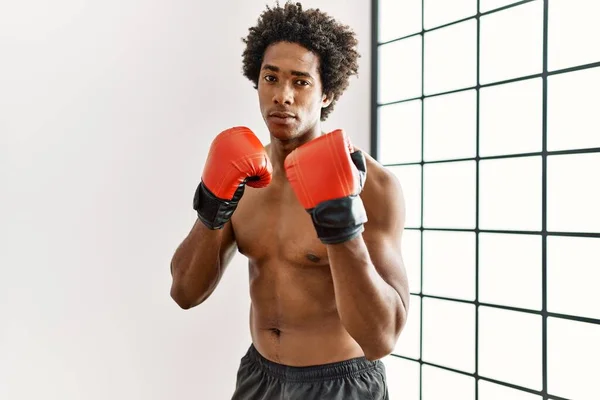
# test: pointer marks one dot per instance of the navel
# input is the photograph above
(313, 258)
(276, 331)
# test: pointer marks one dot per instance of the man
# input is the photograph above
(319, 221)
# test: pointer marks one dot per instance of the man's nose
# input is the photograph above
(284, 95)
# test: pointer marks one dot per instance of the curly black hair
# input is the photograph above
(316, 31)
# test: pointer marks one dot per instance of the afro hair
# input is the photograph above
(334, 44)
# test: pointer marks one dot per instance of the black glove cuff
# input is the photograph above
(213, 211)
(339, 220)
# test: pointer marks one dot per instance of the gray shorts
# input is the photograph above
(357, 378)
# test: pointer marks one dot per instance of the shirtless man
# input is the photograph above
(319, 221)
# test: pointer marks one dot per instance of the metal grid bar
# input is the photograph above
(374, 79)
(503, 82)
(516, 232)
(544, 312)
(422, 191)
(500, 156)
(477, 104)
(576, 318)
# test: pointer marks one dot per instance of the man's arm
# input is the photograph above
(362, 235)
(370, 282)
(236, 158)
(199, 263)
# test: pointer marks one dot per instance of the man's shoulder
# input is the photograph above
(382, 179)
(382, 194)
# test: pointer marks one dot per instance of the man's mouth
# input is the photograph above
(280, 117)
(281, 114)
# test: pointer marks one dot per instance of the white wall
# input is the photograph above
(107, 109)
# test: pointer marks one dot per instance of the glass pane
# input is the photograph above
(510, 347)
(449, 257)
(400, 133)
(499, 267)
(573, 354)
(411, 254)
(441, 384)
(573, 195)
(403, 378)
(573, 33)
(400, 70)
(573, 118)
(440, 12)
(438, 317)
(409, 342)
(453, 182)
(451, 58)
(492, 391)
(511, 118)
(399, 18)
(573, 276)
(511, 43)
(410, 179)
(450, 124)
(510, 194)
(488, 5)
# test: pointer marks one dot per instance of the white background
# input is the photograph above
(107, 109)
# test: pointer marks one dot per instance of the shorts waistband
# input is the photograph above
(336, 370)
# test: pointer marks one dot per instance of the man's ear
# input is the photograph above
(327, 99)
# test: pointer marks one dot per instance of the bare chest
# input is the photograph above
(270, 225)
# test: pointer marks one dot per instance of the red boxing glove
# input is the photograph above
(236, 158)
(327, 176)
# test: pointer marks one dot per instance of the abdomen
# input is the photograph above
(294, 319)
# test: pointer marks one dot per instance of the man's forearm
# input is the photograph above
(370, 309)
(195, 266)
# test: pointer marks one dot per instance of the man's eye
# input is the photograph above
(302, 82)
(269, 78)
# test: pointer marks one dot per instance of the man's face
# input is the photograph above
(290, 91)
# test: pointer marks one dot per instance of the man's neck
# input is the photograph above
(278, 149)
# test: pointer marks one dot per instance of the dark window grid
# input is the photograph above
(544, 154)
(478, 15)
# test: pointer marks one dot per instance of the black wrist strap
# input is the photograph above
(339, 220)
(213, 211)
